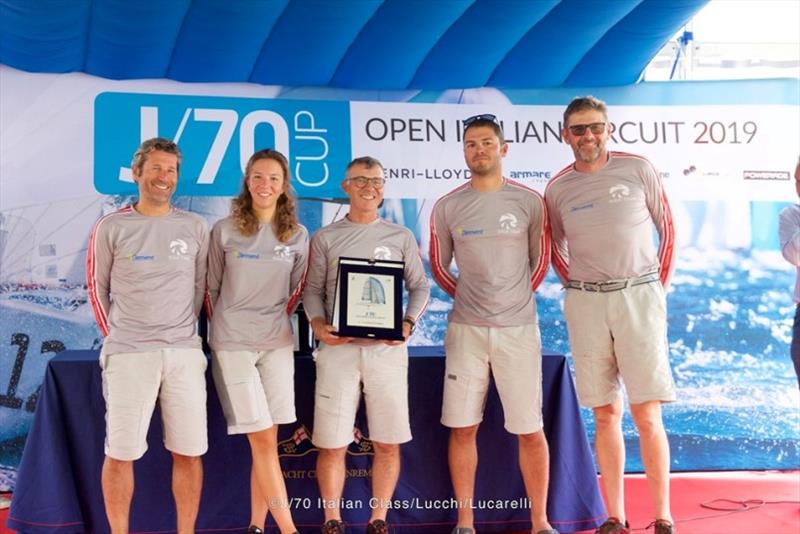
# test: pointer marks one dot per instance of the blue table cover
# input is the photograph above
(58, 487)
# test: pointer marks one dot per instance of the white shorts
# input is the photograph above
(513, 355)
(619, 334)
(256, 389)
(131, 384)
(341, 369)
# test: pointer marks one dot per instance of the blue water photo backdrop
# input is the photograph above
(730, 316)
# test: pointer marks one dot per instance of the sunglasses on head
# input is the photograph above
(579, 129)
(487, 117)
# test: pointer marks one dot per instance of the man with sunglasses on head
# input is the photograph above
(346, 365)
(603, 209)
(497, 231)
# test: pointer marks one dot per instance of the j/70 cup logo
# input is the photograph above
(217, 136)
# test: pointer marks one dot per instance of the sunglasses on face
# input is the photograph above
(362, 181)
(483, 117)
(579, 129)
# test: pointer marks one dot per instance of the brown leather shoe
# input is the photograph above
(334, 526)
(662, 526)
(613, 526)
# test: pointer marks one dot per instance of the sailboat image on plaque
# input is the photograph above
(368, 300)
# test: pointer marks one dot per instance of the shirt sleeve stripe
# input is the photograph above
(294, 297)
(101, 315)
(544, 249)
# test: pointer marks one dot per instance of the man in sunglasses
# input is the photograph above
(345, 365)
(602, 211)
(497, 231)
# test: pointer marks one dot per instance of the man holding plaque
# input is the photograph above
(497, 231)
(345, 364)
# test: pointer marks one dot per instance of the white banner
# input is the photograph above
(57, 132)
(702, 152)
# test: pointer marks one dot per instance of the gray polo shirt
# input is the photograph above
(379, 239)
(146, 278)
(254, 284)
(501, 244)
(602, 222)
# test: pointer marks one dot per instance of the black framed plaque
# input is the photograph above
(369, 299)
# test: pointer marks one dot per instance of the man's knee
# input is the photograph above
(534, 439)
(117, 466)
(186, 462)
(608, 416)
(647, 418)
(263, 439)
(464, 435)
(332, 455)
(386, 449)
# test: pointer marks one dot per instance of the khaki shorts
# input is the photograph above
(620, 334)
(513, 355)
(132, 382)
(256, 389)
(341, 369)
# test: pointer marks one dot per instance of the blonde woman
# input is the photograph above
(256, 270)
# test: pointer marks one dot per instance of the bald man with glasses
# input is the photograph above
(603, 209)
(496, 230)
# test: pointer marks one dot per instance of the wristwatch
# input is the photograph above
(411, 323)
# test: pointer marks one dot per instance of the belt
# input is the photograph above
(613, 285)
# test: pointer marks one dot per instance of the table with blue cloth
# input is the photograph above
(58, 487)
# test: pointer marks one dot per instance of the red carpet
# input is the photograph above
(773, 498)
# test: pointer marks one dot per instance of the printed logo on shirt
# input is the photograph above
(141, 257)
(179, 249)
(508, 224)
(463, 232)
(246, 255)
(282, 252)
(382, 252)
(590, 205)
(619, 193)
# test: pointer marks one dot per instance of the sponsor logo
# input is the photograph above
(217, 135)
(588, 206)
(530, 175)
(282, 252)
(508, 221)
(382, 252)
(619, 193)
(508, 224)
(178, 247)
(694, 170)
(141, 257)
(463, 232)
(766, 175)
(246, 255)
(178, 250)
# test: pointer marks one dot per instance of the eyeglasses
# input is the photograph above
(362, 181)
(579, 129)
(488, 117)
